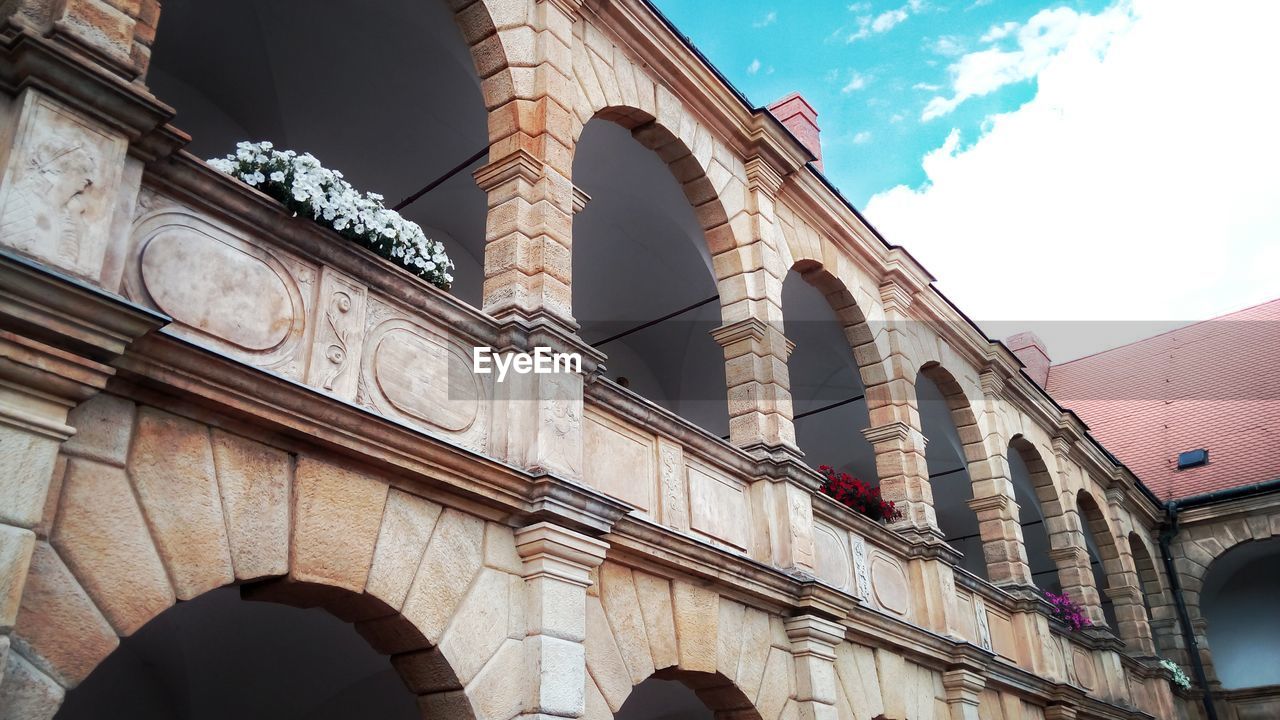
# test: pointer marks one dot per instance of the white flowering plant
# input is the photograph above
(309, 189)
(1179, 677)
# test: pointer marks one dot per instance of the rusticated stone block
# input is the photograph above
(104, 425)
(604, 660)
(500, 689)
(16, 546)
(407, 523)
(253, 480)
(697, 614)
(654, 594)
(103, 538)
(26, 693)
(173, 472)
(59, 629)
(479, 626)
(451, 561)
(337, 515)
(622, 606)
(28, 462)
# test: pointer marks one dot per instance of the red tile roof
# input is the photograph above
(1212, 385)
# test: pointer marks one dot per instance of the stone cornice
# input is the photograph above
(520, 164)
(551, 551)
(28, 59)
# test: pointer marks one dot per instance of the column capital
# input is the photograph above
(814, 635)
(580, 199)
(763, 176)
(520, 164)
(964, 682)
(896, 431)
(549, 550)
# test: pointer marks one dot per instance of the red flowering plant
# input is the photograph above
(857, 495)
(1068, 611)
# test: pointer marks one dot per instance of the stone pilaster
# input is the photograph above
(904, 477)
(813, 644)
(557, 571)
(994, 500)
(749, 277)
(964, 688)
(55, 338)
(787, 509)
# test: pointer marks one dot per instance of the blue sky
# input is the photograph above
(869, 68)
(1092, 170)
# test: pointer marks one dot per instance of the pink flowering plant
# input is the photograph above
(857, 495)
(1068, 611)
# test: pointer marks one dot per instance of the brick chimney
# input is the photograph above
(802, 120)
(1029, 348)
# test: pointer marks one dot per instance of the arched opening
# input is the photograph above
(1102, 549)
(828, 394)
(645, 293)
(385, 92)
(1032, 488)
(944, 410)
(215, 656)
(1148, 576)
(1238, 603)
(673, 694)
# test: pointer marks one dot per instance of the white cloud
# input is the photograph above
(948, 45)
(887, 19)
(926, 86)
(1045, 35)
(999, 32)
(857, 81)
(754, 67)
(862, 137)
(769, 18)
(1139, 183)
(860, 7)
(869, 25)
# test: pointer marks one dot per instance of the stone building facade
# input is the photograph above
(201, 391)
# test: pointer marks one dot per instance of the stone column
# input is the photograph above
(1124, 586)
(55, 337)
(531, 198)
(895, 434)
(1067, 546)
(813, 644)
(557, 571)
(994, 500)
(964, 687)
(749, 279)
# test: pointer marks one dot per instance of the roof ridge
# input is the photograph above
(1167, 332)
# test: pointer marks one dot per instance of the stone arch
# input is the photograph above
(610, 85)
(639, 625)
(1110, 579)
(850, 316)
(1232, 611)
(154, 508)
(1194, 554)
(991, 494)
(1044, 495)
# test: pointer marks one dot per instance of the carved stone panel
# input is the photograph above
(889, 582)
(411, 373)
(337, 342)
(832, 564)
(982, 622)
(861, 568)
(718, 506)
(222, 291)
(619, 460)
(671, 482)
(59, 186)
(1082, 661)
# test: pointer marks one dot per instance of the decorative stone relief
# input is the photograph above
(718, 506)
(861, 573)
(981, 622)
(1082, 661)
(890, 584)
(222, 291)
(339, 324)
(831, 561)
(58, 187)
(800, 521)
(675, 499)
(560, 413)
(410, 373)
